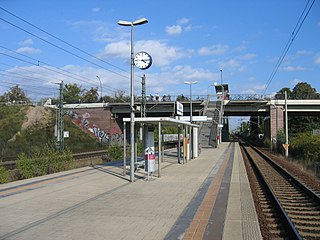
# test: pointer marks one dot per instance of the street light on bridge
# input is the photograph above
(190, 83)
(100, 88)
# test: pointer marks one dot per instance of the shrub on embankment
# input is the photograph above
(4, 175)
(19, 130)
(43, 161)
(306, 148)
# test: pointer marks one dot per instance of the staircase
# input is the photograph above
(208, 130)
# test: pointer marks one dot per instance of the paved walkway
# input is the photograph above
(99, 203)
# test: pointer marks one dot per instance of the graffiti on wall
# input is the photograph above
(104, 137)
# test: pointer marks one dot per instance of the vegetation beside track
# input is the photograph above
(33, 142)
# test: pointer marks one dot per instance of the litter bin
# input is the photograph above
(150, 161)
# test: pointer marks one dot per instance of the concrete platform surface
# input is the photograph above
(99, 203)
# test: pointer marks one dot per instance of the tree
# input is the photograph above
(299, 124)
(16, 94)
(72, 93)
(182, 98)
(120, 96)
(304, 90)
(90, 96)
(280, 94)
(3, 98)
(108, 99)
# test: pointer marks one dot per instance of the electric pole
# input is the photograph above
(60, 122)
(143, 95)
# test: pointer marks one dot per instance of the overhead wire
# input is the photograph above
(37, 63)
(10, 85)
(293, 35)
(61, 48)
(65, 42)
(61, 40)
(21, 76)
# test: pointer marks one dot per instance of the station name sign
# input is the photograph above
(179, 108)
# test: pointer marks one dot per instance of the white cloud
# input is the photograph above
(175, 76)
(174, 30)
(294, 82)
(317, 60)
(180, 27)
(253, 89)
(303, 52)
(29, 50)
(161, 53)
(27, 42)
(218, 49)
(183, 21)
(248, 56)
(96, 9)
(100, 30)
(189, 73)
(230, 64)
(294, 69)
(119, 49)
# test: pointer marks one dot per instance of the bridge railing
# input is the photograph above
(249, 97)
(171, 98)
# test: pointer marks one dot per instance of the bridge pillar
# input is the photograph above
(276, 121)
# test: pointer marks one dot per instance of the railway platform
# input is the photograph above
(206, 198)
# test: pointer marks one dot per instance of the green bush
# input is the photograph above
(306, 147)
(43, 161)
(114, 152)
(4, 175)
(26, 166)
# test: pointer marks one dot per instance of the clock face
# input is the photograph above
(143, 60)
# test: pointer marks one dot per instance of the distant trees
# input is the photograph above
(182, 98)
(302, 90)
(91, 96)
(72, 93)
(14, 95)
(299, 124)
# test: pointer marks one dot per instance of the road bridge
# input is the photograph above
(271, 109)
(262, 107)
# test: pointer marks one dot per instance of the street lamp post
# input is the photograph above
(220, 125)
(222, 102)
(131, 24)
(191, 128)
(190, 83)
(100, 88)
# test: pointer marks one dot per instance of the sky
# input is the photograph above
(234, 42)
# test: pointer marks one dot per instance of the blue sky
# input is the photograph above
(188, 41)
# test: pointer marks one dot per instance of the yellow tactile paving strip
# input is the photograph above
(200, 221)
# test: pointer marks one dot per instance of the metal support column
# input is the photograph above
(124, 149)
(159, 149)
(286, 116)
(60, 122)
(179, 145)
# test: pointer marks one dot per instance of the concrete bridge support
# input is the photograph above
(276, 123)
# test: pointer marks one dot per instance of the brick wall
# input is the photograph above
(99, 123)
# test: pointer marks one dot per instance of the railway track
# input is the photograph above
(289, 209)
(76, 156)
